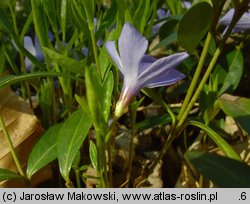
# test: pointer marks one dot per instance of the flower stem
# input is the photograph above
(206, 75)
(196, 76)
(101, 162)
(12, 149)
(131, 147)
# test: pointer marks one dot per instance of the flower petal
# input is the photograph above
(28, 44)
(170, 77)
(160, 67)
(28, 64)
(111, 49)
(132, 46)
(227, 18)
(243, 23)
(39, 52)
(146, 61)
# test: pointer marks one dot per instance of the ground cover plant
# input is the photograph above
(124, 93)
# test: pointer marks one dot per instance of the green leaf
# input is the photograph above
(70, 44)
(141, 14)
(26, 26)
(123, 12)
(12, 79)
(166, 41)
(10, 58)
(95, 98)
(83, 104)
(107, 86)
(70, 139)
(89, 9)
(194, 25)
(218, 140)
(8, 27)
(64, 17)
(8, 175)
(104, 61)
(2, 59)
(208, 106)
(108, 19)
(168, 27)
(11, 4)
(93, 154)
(44, 151)
(40, 23)
(235, 71)
(223, 171)
(50, 9)
(6, 23)
(175, 6)
(238, 108)
(79, 18)
(66, 62)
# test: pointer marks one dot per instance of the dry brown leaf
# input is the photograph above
(22, 126)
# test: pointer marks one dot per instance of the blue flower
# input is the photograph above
(138, 69)
(161, 15)
(242, 25)
(35, 49)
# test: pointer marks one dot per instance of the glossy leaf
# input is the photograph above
(194, 25)
(8, 27)
(6, 174)
(238, 108)
(104, 61)
(50, 9)
(93, 154)
(40, 23)
(79, 18)
(141, 14)
(83, 104)
(123, 12)
(89, 8)
(108, 18)
(26, 26)
(6, 23)
(64, 17)
(175, 6)
(70, 139)
(166, 41)
(66, 62)
(168, 27)
(107, 86)
(223, 171)
(235, 71)
(95, 98)
(44, 151)
(218, 140)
